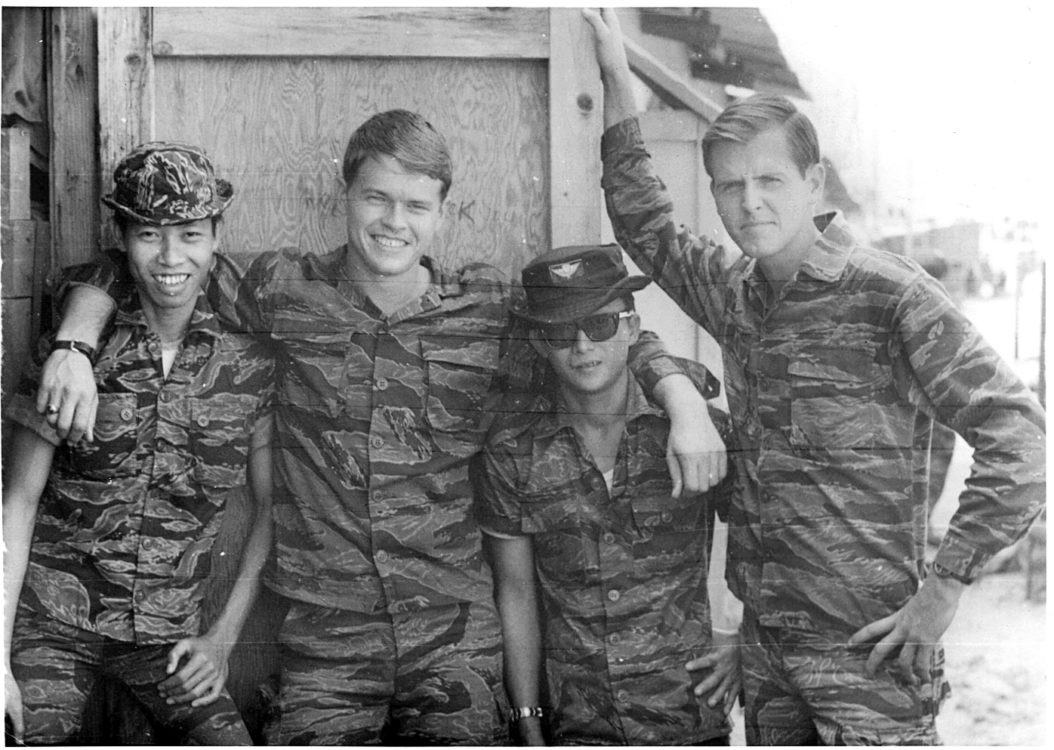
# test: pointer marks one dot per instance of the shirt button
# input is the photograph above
(382, 384)
(202, 421)
(667, 516)
(608, 538)
(614, 595)
(165, 396)
(127, 414)
(381, 556)
(622, 696)
(614, 639)
(376, 442)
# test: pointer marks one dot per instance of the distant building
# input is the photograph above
(952, 254)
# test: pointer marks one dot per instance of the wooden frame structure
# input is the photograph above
(134, 44)
(298, 80)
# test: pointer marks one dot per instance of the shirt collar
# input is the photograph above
(331, 267)
(826, 259)
(828, 256)
(202, 319)
(558, 417)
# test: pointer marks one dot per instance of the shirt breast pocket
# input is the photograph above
(838, 397)
(113, 452)
(563, 545)
(673, 532)
(460, 373)
(219, 438)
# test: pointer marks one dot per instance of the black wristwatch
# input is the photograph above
(77, 346)
(942, 572)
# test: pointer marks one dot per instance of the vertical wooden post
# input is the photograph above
(17, 242)
(576, 117)
(126, 86)
(72, 99)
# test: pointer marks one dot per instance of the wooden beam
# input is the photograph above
(74, 162)
(655, 73)
(575, 124)
(42, 260)
(16, 150)
(463, 32)
(126, 90)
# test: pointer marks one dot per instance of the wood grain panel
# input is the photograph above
(512, 33)
(575, 124)
(126, 90)
(277, 128)
(16, 341)
(73, 87)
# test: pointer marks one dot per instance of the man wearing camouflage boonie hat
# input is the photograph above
(109, 542)
(576, 502)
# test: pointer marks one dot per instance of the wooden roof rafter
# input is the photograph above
(668, 82)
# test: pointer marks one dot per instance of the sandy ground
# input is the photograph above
(996, 649)
(997, 661)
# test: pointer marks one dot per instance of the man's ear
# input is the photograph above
(217, 229)
(634, 327)
(447, 212)
(816, 176)
(117, 235)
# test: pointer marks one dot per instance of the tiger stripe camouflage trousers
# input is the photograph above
(426, 677)
(802, 689)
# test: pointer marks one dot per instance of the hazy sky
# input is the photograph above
(951, 99)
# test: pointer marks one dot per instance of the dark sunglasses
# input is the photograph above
(598, 327)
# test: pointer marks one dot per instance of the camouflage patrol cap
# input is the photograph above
(568, 283)
(163, 183)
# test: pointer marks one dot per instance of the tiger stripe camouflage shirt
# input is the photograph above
(126, 524)
(833, 387)
(622, 573)
(377, 419)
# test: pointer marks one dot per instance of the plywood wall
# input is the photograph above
(277, 128)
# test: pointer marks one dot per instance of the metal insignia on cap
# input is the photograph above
(565, 271)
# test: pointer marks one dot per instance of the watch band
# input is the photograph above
(526, 712)
(942, 572)
(77, 346)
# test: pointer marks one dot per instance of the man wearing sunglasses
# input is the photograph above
(578, 511)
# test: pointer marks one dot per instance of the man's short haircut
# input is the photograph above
(405, 136)
(742, 121)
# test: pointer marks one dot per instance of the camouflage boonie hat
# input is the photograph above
(569, 283)
(162, 183)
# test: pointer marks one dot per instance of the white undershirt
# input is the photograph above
(168, 357)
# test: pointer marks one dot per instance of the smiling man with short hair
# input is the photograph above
(108, 544)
